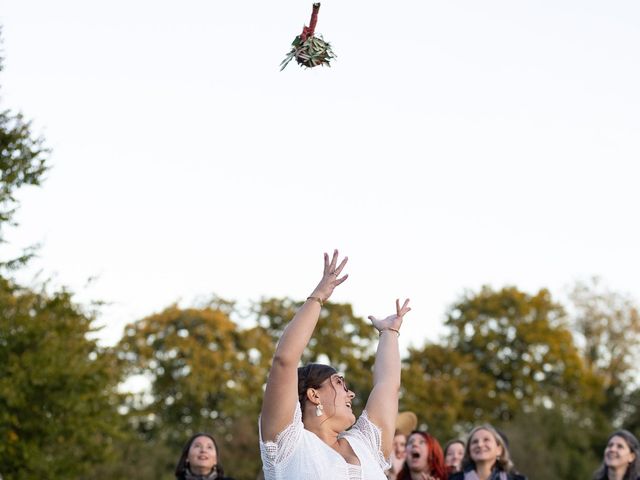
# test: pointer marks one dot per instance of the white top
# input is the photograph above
(298, 454)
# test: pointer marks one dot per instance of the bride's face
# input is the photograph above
(337, 399)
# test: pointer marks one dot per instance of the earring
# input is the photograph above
(319, 410)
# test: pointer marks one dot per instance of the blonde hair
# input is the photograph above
(503, 462)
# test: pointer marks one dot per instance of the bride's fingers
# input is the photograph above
(326, 263)
(334, 260)
(404, 309)
(341, 266)
(341, 279)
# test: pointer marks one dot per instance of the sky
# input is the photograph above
(451, 145)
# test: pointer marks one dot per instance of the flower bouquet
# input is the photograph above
(309, 50)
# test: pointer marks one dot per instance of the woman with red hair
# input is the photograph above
(425, 460)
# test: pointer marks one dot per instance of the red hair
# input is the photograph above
(435, 459)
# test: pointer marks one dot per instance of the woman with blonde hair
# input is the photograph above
(486, 457)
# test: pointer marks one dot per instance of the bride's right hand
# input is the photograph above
(330, 277)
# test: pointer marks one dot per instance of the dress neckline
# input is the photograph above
(342, 435)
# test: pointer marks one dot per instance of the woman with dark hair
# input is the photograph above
(453, 455)
(306, 411)
(621, 458)
(486, 457)
(200, 460)
(425, 460)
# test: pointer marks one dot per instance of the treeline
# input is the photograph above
(556, 382)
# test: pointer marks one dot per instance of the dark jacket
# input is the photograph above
(510, 476)
(211, 476)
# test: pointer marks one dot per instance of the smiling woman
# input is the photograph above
(486, 457)
(621, 458)
(200, 460)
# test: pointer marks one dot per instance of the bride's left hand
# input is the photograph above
(394, 321)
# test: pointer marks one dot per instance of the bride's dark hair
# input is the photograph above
(311, 376)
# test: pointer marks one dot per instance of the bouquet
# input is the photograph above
(309, 50)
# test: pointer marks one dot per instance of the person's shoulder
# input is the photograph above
(457, 476)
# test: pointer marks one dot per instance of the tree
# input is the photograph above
(58, 400)
(204, 376)
(522, 343)
(445, 389)
(631, 412)
(23, 159)
(545, 444)
(607, 326)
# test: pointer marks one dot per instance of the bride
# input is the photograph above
(306, 411)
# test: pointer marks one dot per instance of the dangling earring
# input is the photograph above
(319, 410)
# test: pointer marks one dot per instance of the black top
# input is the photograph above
(210, 476)
(510, 476)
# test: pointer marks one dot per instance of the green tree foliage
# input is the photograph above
(136, 457)
(204, 376)
(546, 443)
(58, 406)
(22, 162)
(58, 400)
(445, 389)
(631, 412)
(607, 325)
(522, 343)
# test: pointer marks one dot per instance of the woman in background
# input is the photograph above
(453, 455)
(406, 422)
(425, 460)
(398, 456)
(486, 457)
(200, 460)
(621, 458)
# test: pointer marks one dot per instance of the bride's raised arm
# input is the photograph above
(281, 394)
(382, 405)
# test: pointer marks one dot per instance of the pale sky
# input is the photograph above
(451, 145)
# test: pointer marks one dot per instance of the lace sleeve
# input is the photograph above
(372, 437)
(280, 451)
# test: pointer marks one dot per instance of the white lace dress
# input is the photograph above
(298, 454)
